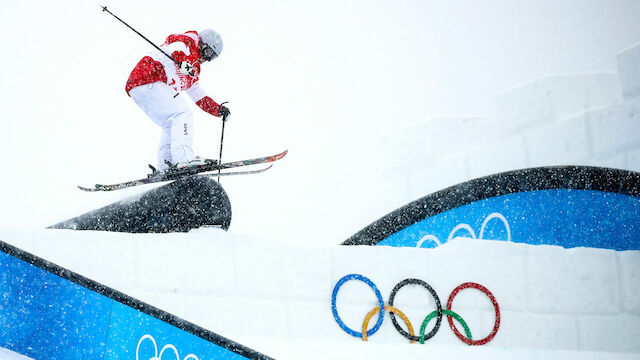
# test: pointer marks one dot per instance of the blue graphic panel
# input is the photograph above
(567, 218)
(133, 332)
(45, 316)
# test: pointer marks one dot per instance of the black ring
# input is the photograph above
(438, 306)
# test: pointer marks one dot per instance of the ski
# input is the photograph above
(175, 174)
(128, 184)
(246, 172)
(255, 161)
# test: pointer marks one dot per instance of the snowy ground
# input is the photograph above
(276, 297)
(347, 79)
(329, 80)
(10, 355)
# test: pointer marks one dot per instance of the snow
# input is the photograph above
(330, 91)
(275, 296)
(369, 101)
(612, 140)
(577, 119)
(6, 354)
(629, 63)
(554, 97)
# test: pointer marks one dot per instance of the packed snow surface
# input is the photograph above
(275, 296)
(372, 118)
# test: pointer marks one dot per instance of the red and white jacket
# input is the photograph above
(158, 67)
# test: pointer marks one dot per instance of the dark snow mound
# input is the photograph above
(180, 206)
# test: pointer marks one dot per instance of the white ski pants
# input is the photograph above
(172, 114)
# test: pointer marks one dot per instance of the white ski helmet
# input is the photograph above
(213, 39)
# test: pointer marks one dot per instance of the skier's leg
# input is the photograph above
(182, 137)
(170, 112)
(164, 150)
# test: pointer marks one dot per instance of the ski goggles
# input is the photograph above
(207, 53)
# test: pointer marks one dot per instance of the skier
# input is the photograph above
(156, 82)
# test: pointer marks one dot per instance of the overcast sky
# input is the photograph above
(325, 79)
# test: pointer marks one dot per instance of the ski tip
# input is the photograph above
(96, 188)
(282, 154)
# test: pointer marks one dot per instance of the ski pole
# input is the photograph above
(224, 121)
(104, 8)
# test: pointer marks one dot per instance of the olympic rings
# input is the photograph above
(392, 296)
(438, 313)
(496, 308)
(448, 313)
(391, 310)
(155, 349)
(335, 310)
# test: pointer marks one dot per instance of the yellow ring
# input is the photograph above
(388, 308)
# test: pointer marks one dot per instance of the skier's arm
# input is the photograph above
(197, 94)
(207, 104)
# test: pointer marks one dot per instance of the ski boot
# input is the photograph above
(155, 174)
(192, 167)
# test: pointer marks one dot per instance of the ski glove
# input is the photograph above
(187, 69)
(207, 104)
(224, 112)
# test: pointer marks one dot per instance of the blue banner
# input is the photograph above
(567, 218)
(47, 316)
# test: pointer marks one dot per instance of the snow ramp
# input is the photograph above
(181, 205)
(556, 275)
(50, 312)
(279, 297)
(568, 206)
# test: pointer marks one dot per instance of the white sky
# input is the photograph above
(324, 79)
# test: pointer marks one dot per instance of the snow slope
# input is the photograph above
(10, 355)
(329, 93)
(276, 297)
(350, 74)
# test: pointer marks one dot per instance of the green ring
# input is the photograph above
(434, 313)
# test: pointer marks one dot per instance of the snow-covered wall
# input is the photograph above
(574, 119)
(266, 293)
(629, 69)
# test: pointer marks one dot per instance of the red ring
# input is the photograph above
(495, 306)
